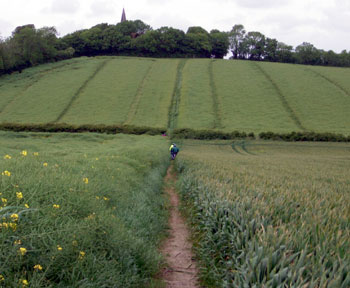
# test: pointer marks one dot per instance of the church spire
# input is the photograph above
(123, 16)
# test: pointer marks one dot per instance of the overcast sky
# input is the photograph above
(324, 23)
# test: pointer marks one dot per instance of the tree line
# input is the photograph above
(28, 46)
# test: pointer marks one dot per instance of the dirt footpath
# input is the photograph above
(177, 249)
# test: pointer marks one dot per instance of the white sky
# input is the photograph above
(324, 23)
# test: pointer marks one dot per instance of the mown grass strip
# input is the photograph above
(176, 97)
(138, 95)
(215, 96)
(82, 87)
(282, 97)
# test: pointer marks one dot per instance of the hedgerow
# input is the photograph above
(62, 127)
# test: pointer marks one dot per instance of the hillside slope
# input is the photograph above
(173, 93)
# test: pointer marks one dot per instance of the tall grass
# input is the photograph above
(196, 104)
(210, 95)
(249, 101)
(152, 108)
(318, 103)
(338, 76)
(42, 99)
(80, 210)
(269, 214)
(108, 97)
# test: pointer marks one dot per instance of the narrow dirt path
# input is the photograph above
(177, 249)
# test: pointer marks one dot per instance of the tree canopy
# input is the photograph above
(28, 46)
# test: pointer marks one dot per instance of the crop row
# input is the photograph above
(278, 217)
(193, 93)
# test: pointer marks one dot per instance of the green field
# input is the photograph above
(171, 93)
(87, 208)
(269, 214)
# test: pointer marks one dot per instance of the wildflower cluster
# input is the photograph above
(6, 173)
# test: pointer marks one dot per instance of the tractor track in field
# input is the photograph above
(181, 270)
(332, 82)
(282, 97)
(81, 89)
(36, 79)
(138, 95)
(176, 96)
(216, 101)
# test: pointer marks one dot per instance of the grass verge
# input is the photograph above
(83, 210)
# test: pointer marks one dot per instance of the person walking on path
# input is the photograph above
(173, 151)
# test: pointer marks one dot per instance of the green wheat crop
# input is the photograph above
(269, 214)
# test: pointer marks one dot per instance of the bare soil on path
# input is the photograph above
(181, 270)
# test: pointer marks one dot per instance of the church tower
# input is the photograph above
(123, 16)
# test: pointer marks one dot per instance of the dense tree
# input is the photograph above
(284, 53)
(306, 53)
(2, 66)
(114, 42)
(198, 42)
(171, 42)
(270, 50)
(236, 37)
(255, 42)
(219, 43)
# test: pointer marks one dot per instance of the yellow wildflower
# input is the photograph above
(13, 226)
(86, 180)
(59, 248)
(14, 217)
(45, 164)
(2, 278)
(91, 216)
(17, 242)
(105, 198)
(4, 200)
(97, 197)
(96, 159)
(7, 157)
(26, 205)
(24, 153)
(6, 173)
(19, 195)
(22, 250)
(75, 243)
(38, 267)
(56, 206)
(81, 255)
(25, 282)
(36, 153)
(4, 224)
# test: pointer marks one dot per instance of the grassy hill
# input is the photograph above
(180, 93)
